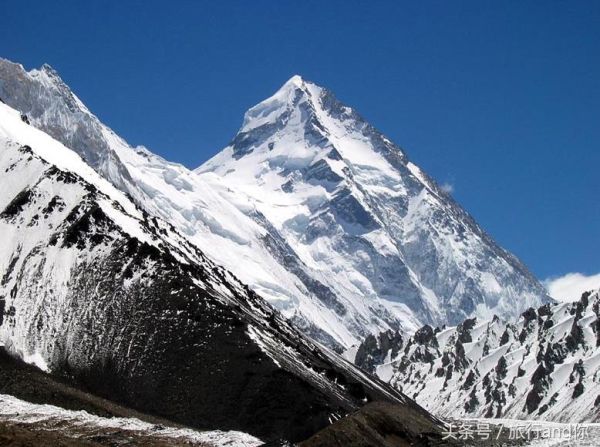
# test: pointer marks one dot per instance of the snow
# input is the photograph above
(525, 346)
(38, 360)
(534, 433)
(22, 412)
(281, 156)
(14, 129)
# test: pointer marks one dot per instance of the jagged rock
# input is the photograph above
(529, 315)
(505, 337)
(463, 330)
(469, 381)
(425, 336)
(501, 368)
(575, 337)
(374, 350)
(516, 383)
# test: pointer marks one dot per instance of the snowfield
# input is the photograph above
(82, 425)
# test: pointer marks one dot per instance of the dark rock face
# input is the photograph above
(469, 381)
(379, 425)
(425, 336)
(373, 350)
(539, 382)
(464, 330)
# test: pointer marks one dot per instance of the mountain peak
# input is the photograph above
(48, 69)
(295, 80)
(347, 203)
(275, 108)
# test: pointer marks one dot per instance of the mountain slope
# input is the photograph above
(98, 291)
(544, 365)
(311, 207)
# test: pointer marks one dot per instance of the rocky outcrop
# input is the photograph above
(543, 365)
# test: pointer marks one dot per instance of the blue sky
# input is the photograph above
(500, 100)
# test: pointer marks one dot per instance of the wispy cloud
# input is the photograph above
(570, 286)
(447, 187)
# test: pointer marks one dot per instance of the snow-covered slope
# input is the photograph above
(311, 207)
(96, 290)
(544, 365)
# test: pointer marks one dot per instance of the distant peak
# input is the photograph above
(48, 72)
(48, 69)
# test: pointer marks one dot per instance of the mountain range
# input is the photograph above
(311, 206)
(543, 365)
(220, 298)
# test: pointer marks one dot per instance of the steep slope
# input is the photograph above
(311, 207)
(377, 425)
(380, 234)
(96, 290)
(545, 365)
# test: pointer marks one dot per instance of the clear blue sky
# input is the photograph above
(499, 98)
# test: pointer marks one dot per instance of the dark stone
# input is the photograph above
(504, 338)
(464, 330)
(469, 381)
(545, 310)
(529, 315)
(575, 337)
(501, 368)
(426, 336)
(17, 204)
(539, 380)
(472, 403)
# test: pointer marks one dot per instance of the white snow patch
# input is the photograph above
(22, 412)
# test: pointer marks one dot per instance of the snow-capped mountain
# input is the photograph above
(96, 290)
(389, 245)
(545, 365)
(311, 207)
